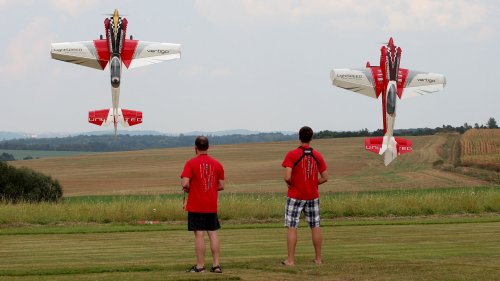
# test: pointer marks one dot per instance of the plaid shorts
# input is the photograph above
(294, 207)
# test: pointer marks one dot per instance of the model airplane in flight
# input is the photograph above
(115, 50)
(391, 82)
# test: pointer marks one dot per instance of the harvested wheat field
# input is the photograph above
(481, 147)
(252, 168)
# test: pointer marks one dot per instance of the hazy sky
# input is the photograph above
(257, 65)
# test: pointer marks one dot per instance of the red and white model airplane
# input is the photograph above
(388, 81)
(116, 50)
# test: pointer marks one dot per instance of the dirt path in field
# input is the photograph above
(454, 151)
(429, 152)
(458, 179)
(451, 157)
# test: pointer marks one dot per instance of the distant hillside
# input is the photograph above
(222, 133)
(24, 135)
(107, 143)
(138, 140)
(122, 132)
(13, 135)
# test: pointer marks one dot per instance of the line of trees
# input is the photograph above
(491, 124)
(106, 143)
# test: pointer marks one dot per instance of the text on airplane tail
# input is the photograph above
(378, 145)
(125, 117)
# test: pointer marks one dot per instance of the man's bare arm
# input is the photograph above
(288, 176)
(323, 177)
(185, 184)
(221, 185)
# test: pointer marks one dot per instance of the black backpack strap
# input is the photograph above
(305, 152)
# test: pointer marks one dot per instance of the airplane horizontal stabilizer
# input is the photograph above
(129, 117)
(374, 144)
(403, 145)
(101, 117)
(390, 147)
(125, 117)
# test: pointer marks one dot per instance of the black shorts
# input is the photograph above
(203, 221)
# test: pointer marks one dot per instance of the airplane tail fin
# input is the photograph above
(125, 117)
(390, 147)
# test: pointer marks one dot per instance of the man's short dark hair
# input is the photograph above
(201, 143)
(305, 134)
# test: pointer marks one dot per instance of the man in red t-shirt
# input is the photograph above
(302, 166)
(202, 178)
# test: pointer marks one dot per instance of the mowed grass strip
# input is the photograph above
(370, 252)
(255, 207)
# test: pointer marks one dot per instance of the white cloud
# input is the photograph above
(269, 11)
(199, 70)
(192, 70)
(415, 15)
(6, 4)
(221, 72)
(74, 7)
(429, 14)
(26, 49)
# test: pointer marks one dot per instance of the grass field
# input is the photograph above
(21, 154)
(257, 208)
(419, 249)
(252, 168)
(408, 221)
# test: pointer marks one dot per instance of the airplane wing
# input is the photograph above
(141, 53)
(92, 54)
(420, 83)
(356, 80)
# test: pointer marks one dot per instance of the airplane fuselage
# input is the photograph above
(116, 28)
(389, 64)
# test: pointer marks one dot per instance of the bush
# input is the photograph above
(6, 157)
(27, 185)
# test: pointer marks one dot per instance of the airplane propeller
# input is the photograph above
(110, 15)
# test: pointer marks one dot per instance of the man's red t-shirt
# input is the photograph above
(304, 181)
(204, 173)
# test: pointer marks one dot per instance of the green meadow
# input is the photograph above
(430, 234)
(362, 249)
(408, 221)
(254, 207)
